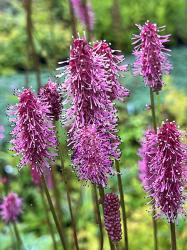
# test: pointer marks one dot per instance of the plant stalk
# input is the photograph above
(73, 223)
(155, 228)
(59, 229)
(18, 238)
(120, 186)
(98, 217)
(50, 226)
(173, 236)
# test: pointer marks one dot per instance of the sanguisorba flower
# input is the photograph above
(168, 167)
(91, 155)
(114, 68)
(112, 218)
(11, 207)
(33, 135)
(151, 55)
(49, 94)
(146, 152)
(84, 13)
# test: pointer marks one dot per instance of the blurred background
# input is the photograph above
(34, 36)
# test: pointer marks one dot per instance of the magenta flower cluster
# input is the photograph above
(151, 55)
(162, 169)
(11, 208)
(112, 218)
(50, 96)
(84, 13)
(33, 135)
(91, 88)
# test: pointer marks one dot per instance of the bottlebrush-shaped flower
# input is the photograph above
(11, 207)
(2, 130)
(112, 218)
(84, 13)
(146, 152)
(114, 68)
(50, 95)
(91, 155)
(168, 167)
(33, 136)
(151, 55)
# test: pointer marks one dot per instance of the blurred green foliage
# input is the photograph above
(52, 27)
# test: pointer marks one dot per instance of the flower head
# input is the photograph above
(168, 169)
(33, 135)
(11, 207)
(91, 155)
(52, 98)
(112, 218)
(113, 69)
(151, 55)
(84, 13)
(147, 151)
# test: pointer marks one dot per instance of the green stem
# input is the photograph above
(18, 238)
(173, 236)
(155, 229)
(98, 217)
(73, 223)
(59, 229)
(50, 226)
(102, 194)
(120, 186)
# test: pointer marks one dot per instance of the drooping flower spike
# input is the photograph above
(146, 152)
(91, 155)
(84, 13)
(151, 55)
(114, 68)
(169, 171)
(50, 96)
(33, 135)
(11, 207)
(112, 218)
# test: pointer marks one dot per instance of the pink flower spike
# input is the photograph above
(112, 218)
(114, 68)
(33, 136)
(168, 167)
(151, 55)
(11, 207)
(84, 13)
(49, 95)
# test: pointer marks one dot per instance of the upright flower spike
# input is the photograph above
(50, 95)
(84, 13)
(91, 155)
(151, 55)
(114, 68)
(112, 218)
(146, 152)
(168, 167)
(11, 207)
(2, 130)
(33, 136)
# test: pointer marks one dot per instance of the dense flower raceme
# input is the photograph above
(87, 87)
(146, 152)
(33, 135)
(11, 207)
(91, 155)
(50, 95)
(151, 55)
(114, 67)
(112, 218)
(168, 171)
(84, 13)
